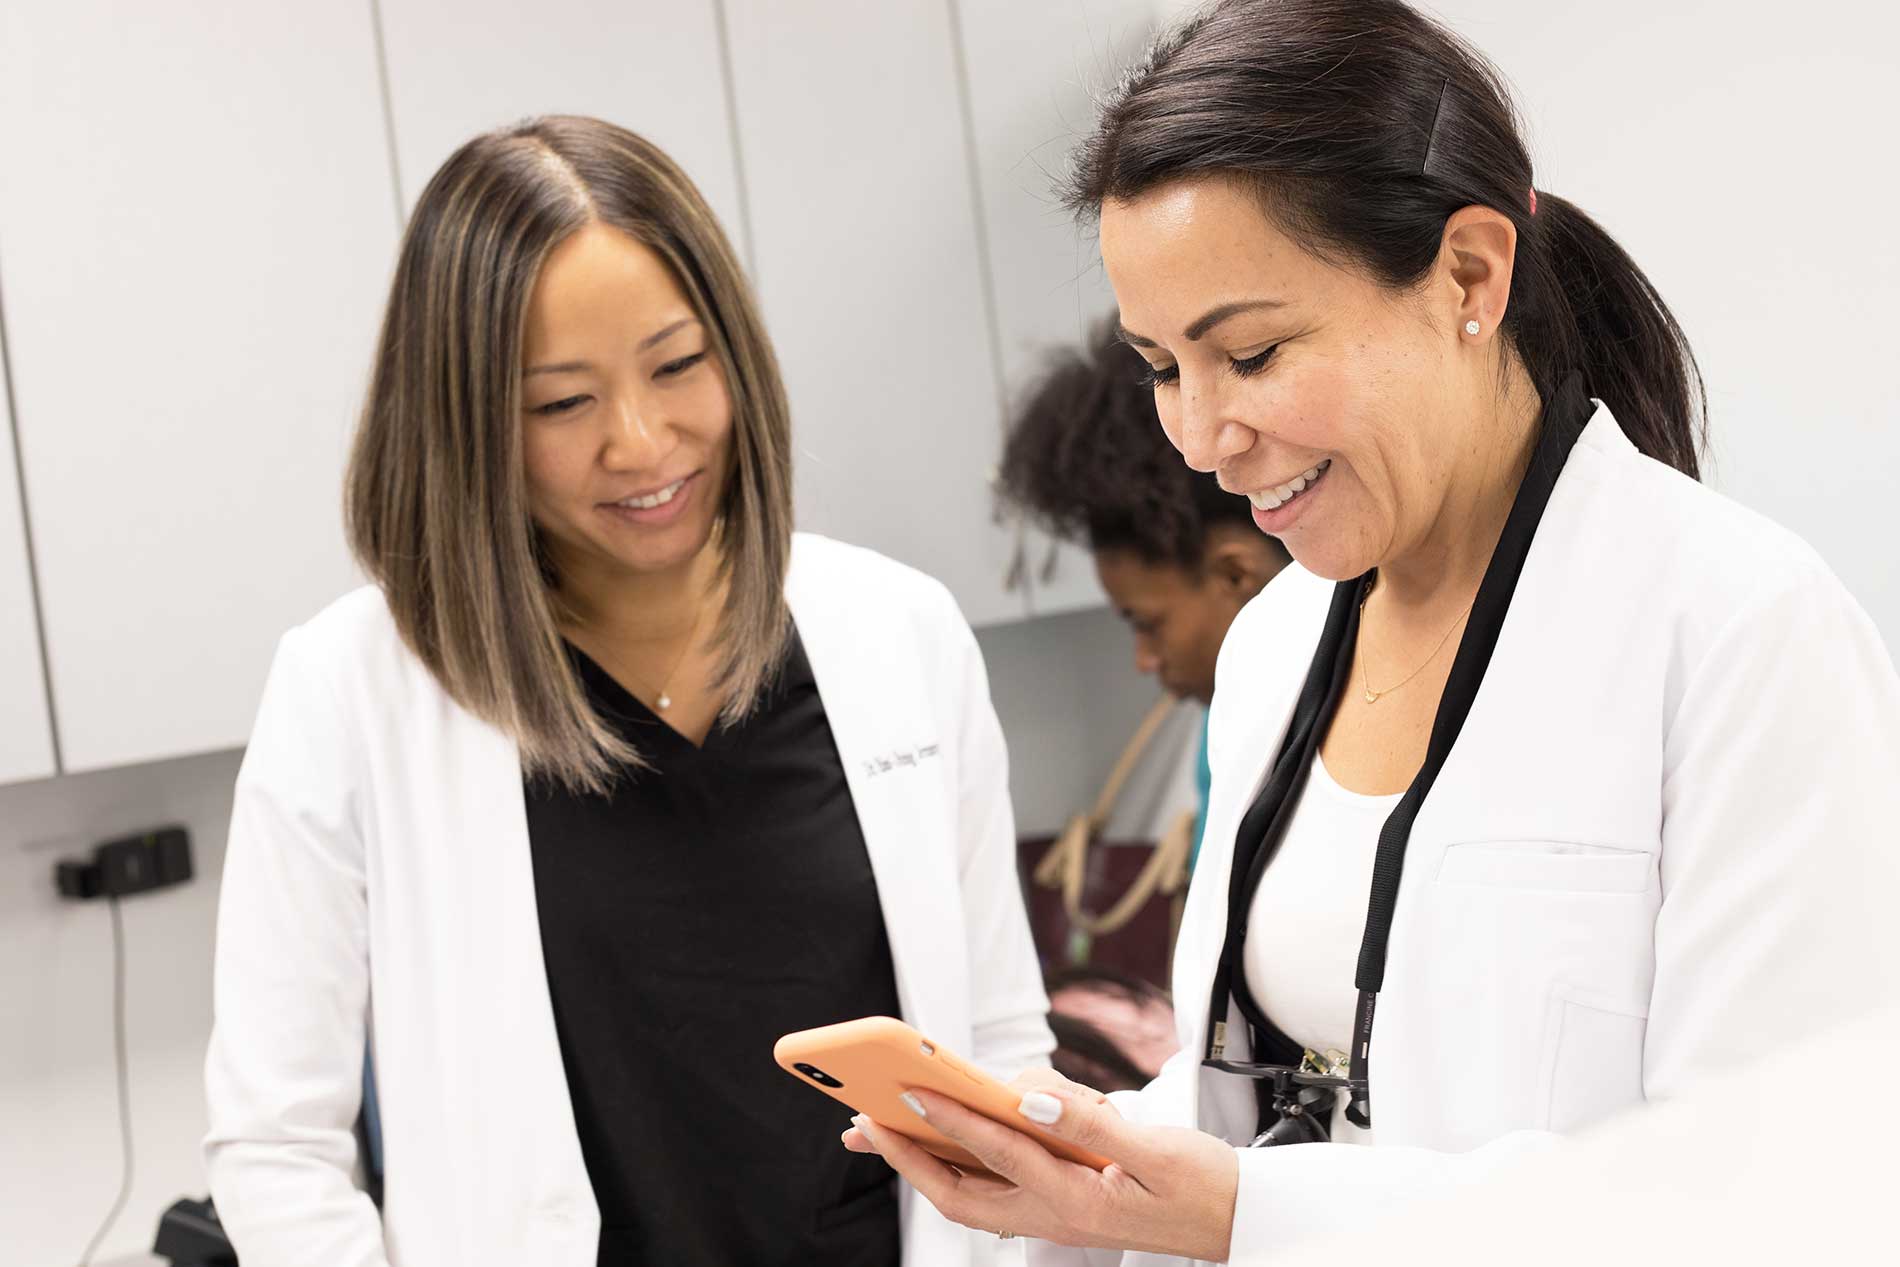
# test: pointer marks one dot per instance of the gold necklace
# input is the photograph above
(1365, 678)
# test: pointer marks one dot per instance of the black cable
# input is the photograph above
(125, 1094)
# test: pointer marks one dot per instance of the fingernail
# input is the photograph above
(1041, 1108)
(912, 1103)
(860, 1121)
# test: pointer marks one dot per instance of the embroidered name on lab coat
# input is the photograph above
(900, 759)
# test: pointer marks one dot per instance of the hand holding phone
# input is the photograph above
(869, 1063)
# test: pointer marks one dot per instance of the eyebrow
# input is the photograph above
(652, 340)
(1205, 322)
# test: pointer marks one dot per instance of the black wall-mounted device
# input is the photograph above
(155, 859)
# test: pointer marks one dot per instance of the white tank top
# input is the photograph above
(1309, 915)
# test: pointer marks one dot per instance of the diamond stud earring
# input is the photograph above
(1471, 327)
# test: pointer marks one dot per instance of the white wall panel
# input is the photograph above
(459, 68)
(196, 228)
(853, 145)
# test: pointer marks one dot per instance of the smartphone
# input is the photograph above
(868, 1063)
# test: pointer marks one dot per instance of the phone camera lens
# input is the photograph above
(817, 1075)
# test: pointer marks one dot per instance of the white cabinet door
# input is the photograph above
(856, 161)
(1034, 72)
(460, 67)
(26, 729)
(196, 230)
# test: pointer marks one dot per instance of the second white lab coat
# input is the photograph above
(379, 867)
(1667, 841)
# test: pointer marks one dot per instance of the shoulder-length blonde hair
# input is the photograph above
(435, 499)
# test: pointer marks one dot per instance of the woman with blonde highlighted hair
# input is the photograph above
(607, 781)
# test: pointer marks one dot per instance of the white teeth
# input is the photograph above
(660, 498)
(1274, 498)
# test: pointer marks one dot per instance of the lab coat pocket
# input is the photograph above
(1518, 924)
(1546, 864)
(1593, 1058)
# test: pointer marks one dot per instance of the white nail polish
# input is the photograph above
(912, 1103)
(1041, 1108)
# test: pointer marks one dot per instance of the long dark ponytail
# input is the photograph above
(1365, 125)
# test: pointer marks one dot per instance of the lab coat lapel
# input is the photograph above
(890, 745)
(1242, 757)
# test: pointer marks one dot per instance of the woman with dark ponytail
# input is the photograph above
(1618, 760)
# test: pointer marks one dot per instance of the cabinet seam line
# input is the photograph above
(26, 530)
(729, 84)
(389, 107)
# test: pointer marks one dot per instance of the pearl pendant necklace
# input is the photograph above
(665, 700)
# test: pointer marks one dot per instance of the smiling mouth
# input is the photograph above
(651, 501)
(1280, 495)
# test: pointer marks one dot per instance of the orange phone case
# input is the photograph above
(875, 1060)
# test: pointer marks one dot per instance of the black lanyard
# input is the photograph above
(1265, 823)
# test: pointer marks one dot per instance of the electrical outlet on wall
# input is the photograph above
(156, 859)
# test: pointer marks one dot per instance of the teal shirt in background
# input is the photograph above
(1203, 780)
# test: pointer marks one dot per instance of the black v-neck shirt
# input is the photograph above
(704, 908)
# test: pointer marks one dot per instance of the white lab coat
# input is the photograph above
(1786, 1160)
(379, 852)
(1668, 839)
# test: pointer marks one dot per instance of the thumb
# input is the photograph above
(1080, 1118)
